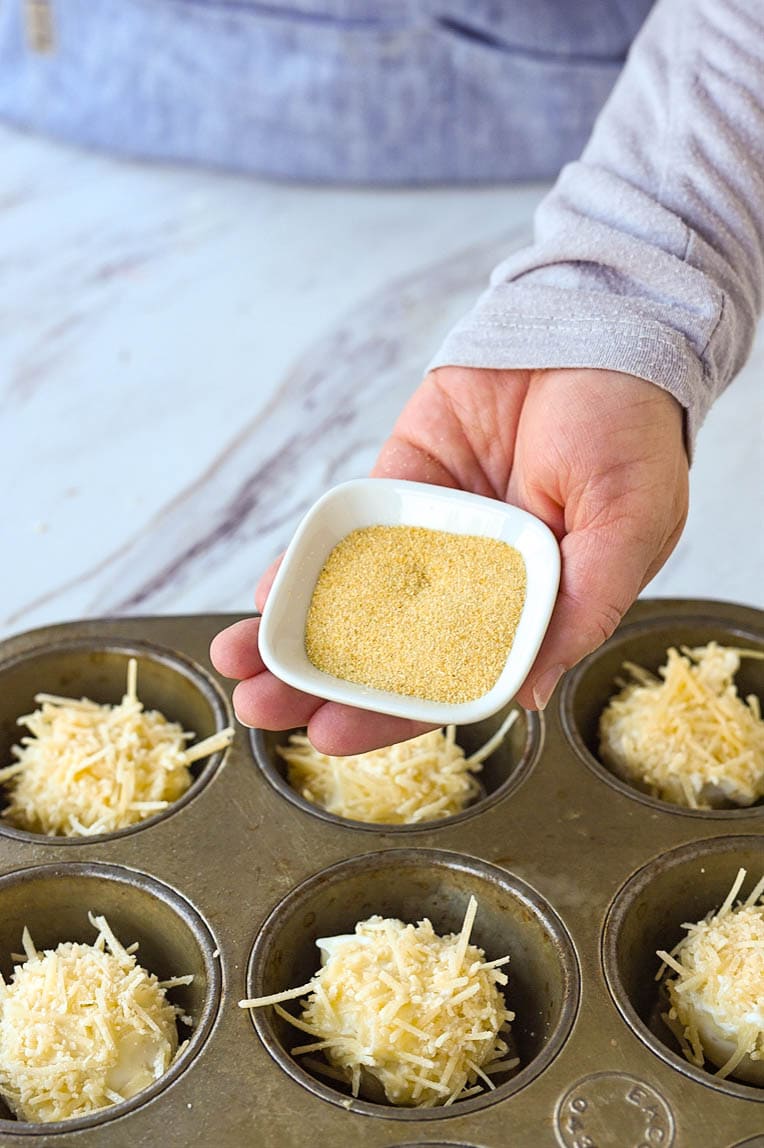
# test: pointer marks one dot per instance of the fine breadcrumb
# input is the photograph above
(418, 1013)
(82, 1027)
(716, 992)
(686, 736)
(90, 768)
(424, 613)
(425, 778)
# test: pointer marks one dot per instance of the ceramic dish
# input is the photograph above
(390, 502)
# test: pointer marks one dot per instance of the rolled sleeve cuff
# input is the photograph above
(519, 327)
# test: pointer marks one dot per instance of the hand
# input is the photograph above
(598, 455)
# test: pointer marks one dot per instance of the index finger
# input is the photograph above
(234, 651)
(266, 581)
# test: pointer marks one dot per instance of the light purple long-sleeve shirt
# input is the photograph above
(648, 253)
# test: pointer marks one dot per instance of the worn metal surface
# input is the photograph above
(569, 865)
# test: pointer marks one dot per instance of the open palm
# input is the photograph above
(597, 455)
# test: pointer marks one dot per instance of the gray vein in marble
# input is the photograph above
(358, 375)
(93, 278)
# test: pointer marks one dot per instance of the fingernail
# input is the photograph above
(545, 686)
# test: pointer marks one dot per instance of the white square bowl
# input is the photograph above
(393, 502)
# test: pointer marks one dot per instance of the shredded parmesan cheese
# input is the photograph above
(717, 993)
(90, 768)
(397, 1004)
(422, 779)
(687, 737)
(82, 1027)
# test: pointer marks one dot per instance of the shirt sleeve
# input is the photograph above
(648, 253)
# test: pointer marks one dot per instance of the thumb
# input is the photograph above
(400, 458)
(603, 571)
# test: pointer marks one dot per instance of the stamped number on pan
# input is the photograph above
(614, 1110)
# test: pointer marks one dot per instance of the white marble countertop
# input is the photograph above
(188, 360)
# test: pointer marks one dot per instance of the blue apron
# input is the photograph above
(372, 91)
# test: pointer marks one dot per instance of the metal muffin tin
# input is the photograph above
(579, 877)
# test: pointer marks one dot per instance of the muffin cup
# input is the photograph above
(410, 884)
(97, 669)
(53, 902)
(590, 686)
(502, 772)
(647, 915)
